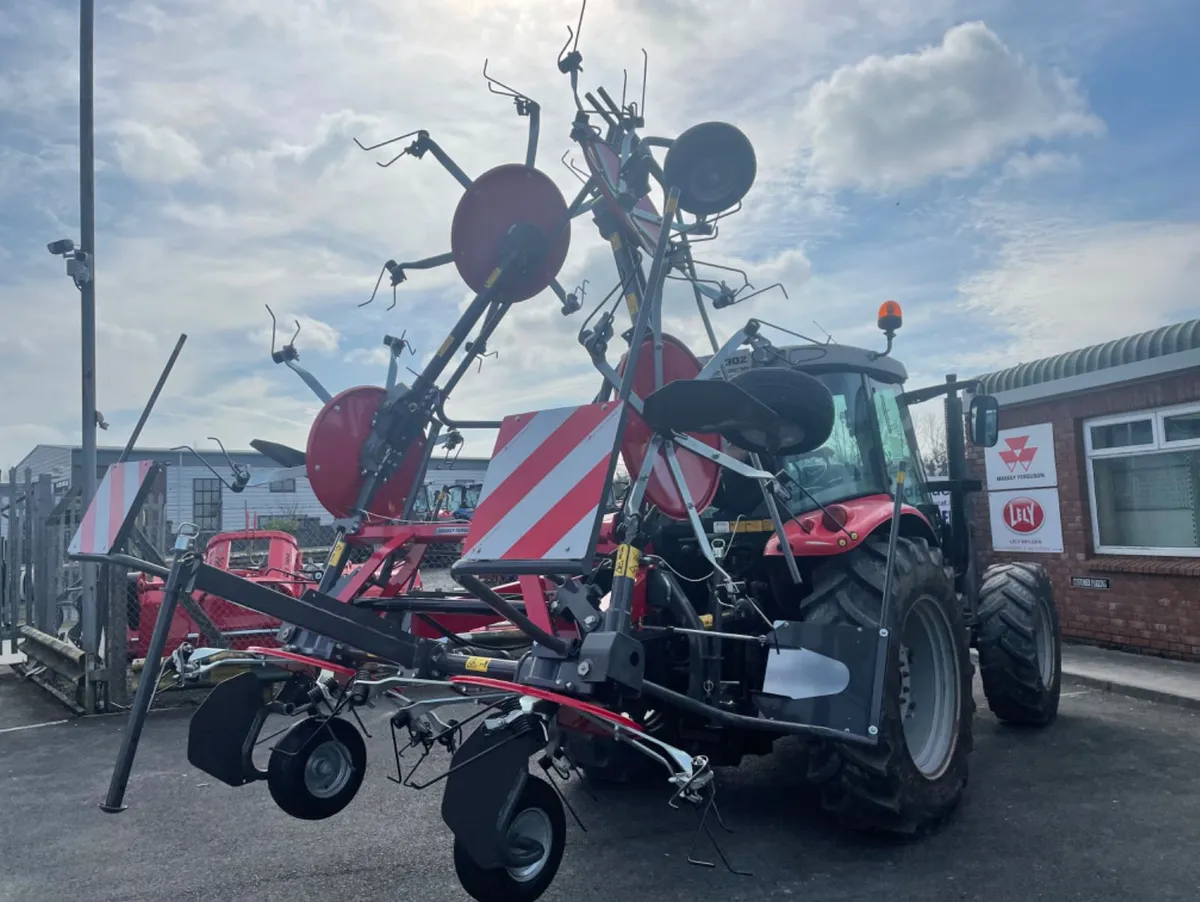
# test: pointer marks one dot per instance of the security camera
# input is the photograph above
(61, 248)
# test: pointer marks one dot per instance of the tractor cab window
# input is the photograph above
(898, 442)
(844, 467)
(421, 504)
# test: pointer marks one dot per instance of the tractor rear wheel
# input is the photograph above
(1020, 644)
(915, 775)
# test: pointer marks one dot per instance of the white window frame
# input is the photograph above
(1158, 445)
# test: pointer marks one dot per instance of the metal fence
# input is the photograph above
(41, 589)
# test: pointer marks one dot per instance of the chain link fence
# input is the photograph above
(41, 587)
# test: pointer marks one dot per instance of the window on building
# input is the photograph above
(206, 505)
(1144, 481)
(283, 485)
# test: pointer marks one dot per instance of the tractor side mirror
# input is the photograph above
(983, 421)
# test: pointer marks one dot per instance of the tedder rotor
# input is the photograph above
(777, 567)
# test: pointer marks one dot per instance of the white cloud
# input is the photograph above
(1030, 166)
(889, 123)
(155, 153)
(1062, 282)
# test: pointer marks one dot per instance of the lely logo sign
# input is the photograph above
(1024, 515)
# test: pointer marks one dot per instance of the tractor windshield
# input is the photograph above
(848, 464)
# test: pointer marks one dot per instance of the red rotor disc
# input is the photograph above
(334, 443)
(499, 199)
(701, 475)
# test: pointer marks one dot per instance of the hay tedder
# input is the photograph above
(777, 567)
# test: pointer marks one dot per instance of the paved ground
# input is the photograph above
(1100, 807)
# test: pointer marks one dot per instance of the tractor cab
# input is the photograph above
(850, 478)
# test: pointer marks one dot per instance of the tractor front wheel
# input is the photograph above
(1020, 644)
(916, 773)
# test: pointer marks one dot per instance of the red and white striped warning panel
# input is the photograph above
(546, 485)
(114, 502)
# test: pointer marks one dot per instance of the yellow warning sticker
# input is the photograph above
(631, 301)
(706, 620)
(627, 561)
(478, 665)
(335, 554)
(720, 527)
(491, 280)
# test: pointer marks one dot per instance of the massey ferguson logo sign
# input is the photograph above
(1018, 453)
(1023, 515)
(1022, 458)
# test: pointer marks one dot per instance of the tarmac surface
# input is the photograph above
(1101, 806)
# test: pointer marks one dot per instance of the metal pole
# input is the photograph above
(162, 380)
(87, 310)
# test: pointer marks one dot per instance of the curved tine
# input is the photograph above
(378, 282)
(624, 85)
(203, 462)
(273, 327)
(579, 27)
(645, 74)
(736, 208)
(570, 164)
(740, 272)
(755, 294)
(507, 92)
(570, 36)
(387, 142)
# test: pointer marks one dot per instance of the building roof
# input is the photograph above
(1132, 349)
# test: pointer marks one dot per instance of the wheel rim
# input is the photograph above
(328, 769)
(531, 824)
(1043, 639)
(929, 688)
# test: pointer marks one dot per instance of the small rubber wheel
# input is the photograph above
(801, 401)
(317, 768)
(538, 831)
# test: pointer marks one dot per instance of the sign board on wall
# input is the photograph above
(1022, 458)
(1026, 520)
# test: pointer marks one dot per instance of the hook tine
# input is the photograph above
(378, 282)
(387, 142)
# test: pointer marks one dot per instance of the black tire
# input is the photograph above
(880, 788)
(713, 165)
(500, 884)
(288, 766)
(799, 399)
(1020, 644)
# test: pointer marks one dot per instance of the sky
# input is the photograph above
(1023, 178)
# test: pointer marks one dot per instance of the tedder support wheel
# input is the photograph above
(1020, 643)
(316, 769)
(914, 777)
(538, 833)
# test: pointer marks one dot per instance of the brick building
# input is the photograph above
(1097, 475)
